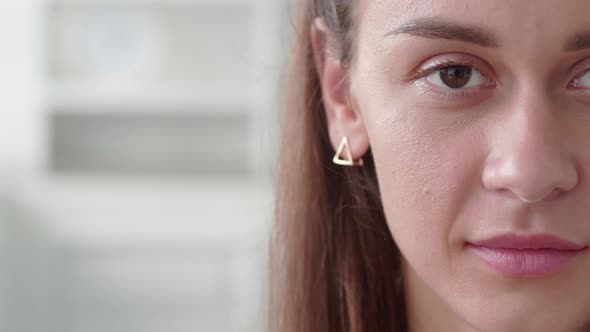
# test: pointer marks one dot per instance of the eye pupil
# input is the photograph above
(456, 77)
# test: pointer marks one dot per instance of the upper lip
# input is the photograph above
(539, 241)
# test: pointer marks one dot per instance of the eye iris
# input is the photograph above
(456, 76)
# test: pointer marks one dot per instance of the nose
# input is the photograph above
(529, 158)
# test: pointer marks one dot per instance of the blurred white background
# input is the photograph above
(137, 146)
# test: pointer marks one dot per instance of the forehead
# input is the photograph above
(520, 23)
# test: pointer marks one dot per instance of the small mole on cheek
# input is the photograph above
(427, 192)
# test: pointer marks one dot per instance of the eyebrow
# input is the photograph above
(580, 41)
(438, 28)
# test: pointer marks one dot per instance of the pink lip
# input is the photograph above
(517, 255)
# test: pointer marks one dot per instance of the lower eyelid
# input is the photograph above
(453, 94)
(456, 94)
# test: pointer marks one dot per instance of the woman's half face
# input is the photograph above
(478, 117)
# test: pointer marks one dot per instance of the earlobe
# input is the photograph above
(343, 155)
(342, 114)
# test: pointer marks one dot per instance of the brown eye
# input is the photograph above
(455, 77)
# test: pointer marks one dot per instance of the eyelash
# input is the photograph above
(438, 65)
(420, 74)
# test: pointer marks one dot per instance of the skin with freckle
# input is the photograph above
(503, 155)
(471, 118)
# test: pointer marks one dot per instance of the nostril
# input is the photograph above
(550, 196)
(556, 193)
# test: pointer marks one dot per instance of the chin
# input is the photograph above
(526, 315)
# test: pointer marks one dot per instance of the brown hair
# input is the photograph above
(334, 265)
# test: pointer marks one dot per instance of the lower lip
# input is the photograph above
(525, 262)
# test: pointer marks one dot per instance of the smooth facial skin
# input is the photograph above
(507, 152)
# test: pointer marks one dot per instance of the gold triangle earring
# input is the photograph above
(347, 160)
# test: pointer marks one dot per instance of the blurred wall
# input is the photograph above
(20, 65)
(136, 162)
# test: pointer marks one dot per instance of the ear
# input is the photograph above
(344, 118)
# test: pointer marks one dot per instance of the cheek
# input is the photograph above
(427, 165)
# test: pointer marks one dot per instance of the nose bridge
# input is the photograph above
(528, 152)
(534, 127)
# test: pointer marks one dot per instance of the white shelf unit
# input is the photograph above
(186, 97)
(140, 58)
(132, 253)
